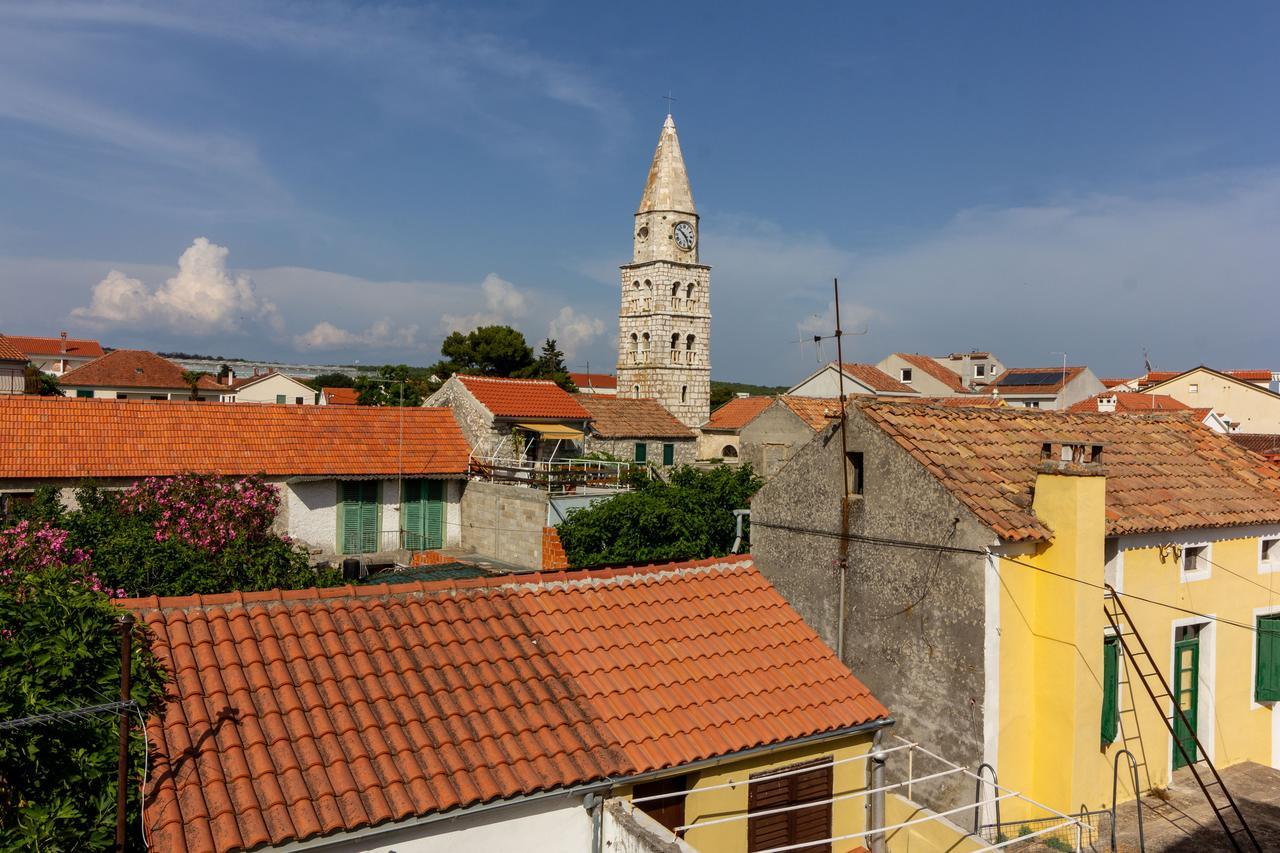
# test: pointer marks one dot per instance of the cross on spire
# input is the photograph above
(670, 100)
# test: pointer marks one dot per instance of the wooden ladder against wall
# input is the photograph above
(1206, 775)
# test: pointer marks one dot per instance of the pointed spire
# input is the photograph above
(668, 184)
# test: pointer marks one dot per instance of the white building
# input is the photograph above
(57, 355)
(267, 387)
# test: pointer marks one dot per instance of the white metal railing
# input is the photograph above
(556, 476)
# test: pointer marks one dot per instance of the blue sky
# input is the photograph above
(337, 182)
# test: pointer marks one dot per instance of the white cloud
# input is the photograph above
(504, 305)
(571, 330)
(326, 336)
(204, 298)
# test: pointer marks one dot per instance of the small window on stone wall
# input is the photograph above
(729, 452)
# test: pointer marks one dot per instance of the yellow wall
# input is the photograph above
(933, 836)
(1051, 640)
(847, 816)
(1240, 402)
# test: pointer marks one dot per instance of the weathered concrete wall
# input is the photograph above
(712, 445)
(771, 439)
(914, 619)
(504, 522)
(686, 449)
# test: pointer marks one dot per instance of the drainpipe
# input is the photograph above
(875, 802)
(594, 803)
(738, 515)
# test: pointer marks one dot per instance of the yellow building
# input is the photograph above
(1243, 398)
(978, 546)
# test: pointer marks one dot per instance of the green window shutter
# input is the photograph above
(1110, 689)
(668, 454)
(411, 506)
(434, 506)
(1267, 679)
(642, 451)
(349, 517)
(369, 516)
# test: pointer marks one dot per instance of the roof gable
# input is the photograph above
(928, 365)
(127, 368)
(876, 379)
(1165, 471)
(341, 396)
(816, 412)
(625, 417)
(523, 398)
(386, 703)
(75, 347)
(1129, 401)
(737, 413)
(9, 352)
(1168, 378)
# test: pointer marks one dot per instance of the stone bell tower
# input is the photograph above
(664, 325)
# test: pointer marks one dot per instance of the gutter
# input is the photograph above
(589, 791)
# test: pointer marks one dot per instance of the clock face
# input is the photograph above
(684, 235)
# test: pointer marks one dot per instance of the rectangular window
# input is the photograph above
(979, 370)
(1110, 689)
(795, 826)
(1032, 404)
(642, 452)
(1193, 388)
(1267, 676)
(855, 472)
(1269, 552)
(668, 454)
(120, 395)
(297, 400)
(84, 392)
(358, 516)
(1195, 558)
(669, 810)
(280, 398)
(905, 374)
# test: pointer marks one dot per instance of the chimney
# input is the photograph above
(1108, 404)
(64, 342)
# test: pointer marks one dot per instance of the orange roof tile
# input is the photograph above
(523, 398)
(1112, 382)
(624, 417)
(927, 365)
(128, 368)
(1250, 375)
(1268, 444)
(75, 347)
(876, 379)
(1014, 379)
(65, 437)
(971, 401)
(1164, 471)
(303, 714)
(737, 413)
(1131, 401)
(817, 412)
(9, 352)
(340, 396)
(594, 380)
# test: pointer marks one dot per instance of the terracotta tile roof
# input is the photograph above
(1250, 375)
(340, 396)
(1113, 381)
(971, 401)
(64, 437)
(817, 412)
(128, 368)
(737, 413)
(523, 398)
(9, 352)
(927, 365)
(594, 380)
(622, 417)
(1267, 444)
(76, 347)
(1154, 376)
(876, 379)
(1015, 380)
(1131, 401)
(1164, 471)
(309, 713)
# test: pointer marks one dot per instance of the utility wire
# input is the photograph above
(85, 713)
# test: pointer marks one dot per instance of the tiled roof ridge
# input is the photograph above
(937, 371)
(566, 579)
(1014, 412)
(469, 376)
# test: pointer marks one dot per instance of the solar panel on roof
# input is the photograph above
(1040, 377)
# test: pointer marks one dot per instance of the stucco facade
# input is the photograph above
(770, 439)
(1248, 407)
(274, 388)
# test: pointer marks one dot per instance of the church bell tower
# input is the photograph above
(664, 325)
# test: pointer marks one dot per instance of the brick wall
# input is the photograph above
(553, 556)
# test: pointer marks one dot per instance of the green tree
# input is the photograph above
(688, 517)
(331, 380)
(550, 365)
(723, 392)
(41, 384)
(192, 379)
(396, 378)
(488, 351)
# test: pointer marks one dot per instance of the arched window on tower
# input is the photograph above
(635, 348)
(688, 347)
(675, 348)
(644, 347)
(648, 295)
(688, 297)
(675, 296)
(635, 391)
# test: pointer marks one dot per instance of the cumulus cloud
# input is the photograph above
(504, 305)
(204, 298)
(326, 336)
(572, 329)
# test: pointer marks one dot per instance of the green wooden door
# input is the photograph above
(423, 514)
(1186, 693)
(358, 517)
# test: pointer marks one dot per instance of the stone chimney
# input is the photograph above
(64, 342)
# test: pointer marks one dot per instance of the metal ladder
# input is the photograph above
(1215, 791)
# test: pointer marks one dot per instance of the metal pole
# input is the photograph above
(122, 767)
(1137, 797)
(875, 804)
(842, 565)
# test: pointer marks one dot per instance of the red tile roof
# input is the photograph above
(64, 437)
(1164, 471)
(816, 412)
(624, 417)
(594, 380)
(876, 379)
(1268, 444)
(1112, 382)
(1250, 375)
(9, 352)
(303, 714)
(127, 368)
(971, 401)
(340, 396)
(737, 413)
(1008, 382)
(523, 398)
(927, 365)
(76, 347)
(1131, 401)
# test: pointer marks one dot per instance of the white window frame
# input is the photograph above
(1266, 567)
(1193, 388)
(1199, 574)
(1205, 713)
(904, 374)
(980, 371)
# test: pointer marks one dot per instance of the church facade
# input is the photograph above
(664, 324)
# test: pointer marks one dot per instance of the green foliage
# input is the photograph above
(688, 517)
(396, 378)
(331, 380)
(41, 384)
(192, 379)
(488, 351)
(723, 392)
(1058, 844)
(59, 649)
(550, 365)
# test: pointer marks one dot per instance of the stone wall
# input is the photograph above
(504, 522)
(771, 438)
(686, 449)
